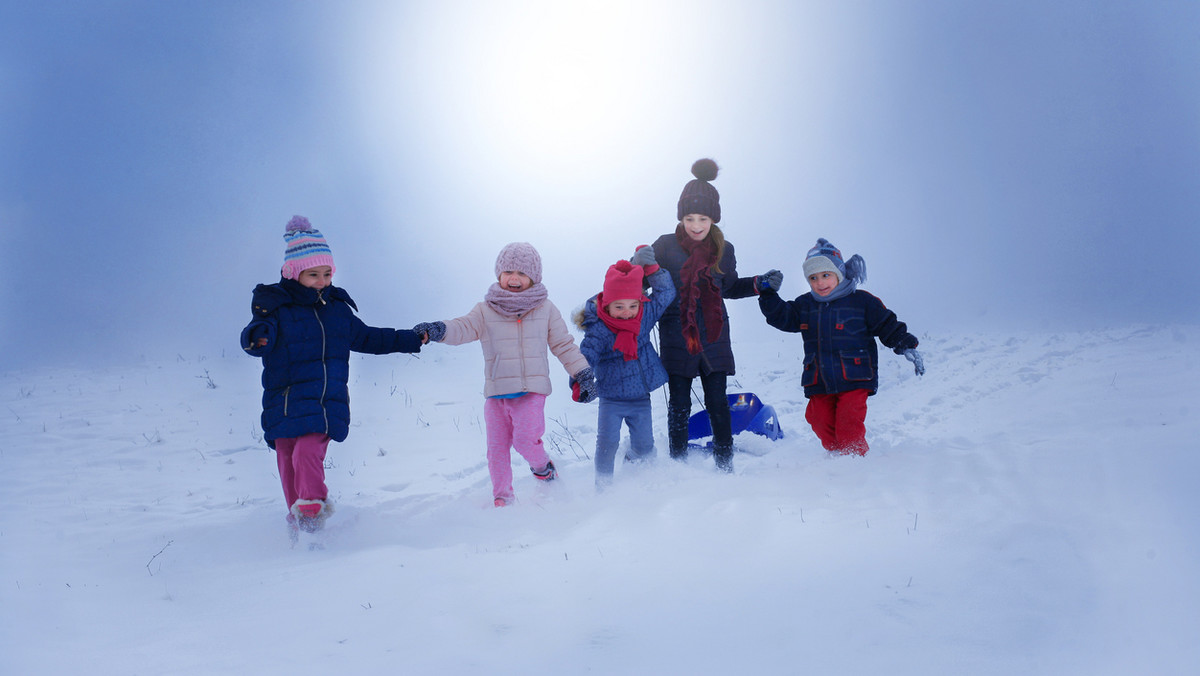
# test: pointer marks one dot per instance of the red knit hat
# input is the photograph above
(623, 281)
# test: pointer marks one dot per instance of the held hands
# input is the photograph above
(583, 385)
(434, 331)
(643, 256)
(915, 357)
(770, 280)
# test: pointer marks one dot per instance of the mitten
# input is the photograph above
(769, 281)
(915, 357)
(435, 330)
(644, 256)
(583, 385)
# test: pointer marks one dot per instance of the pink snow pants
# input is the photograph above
(302, 467)
(514, 424)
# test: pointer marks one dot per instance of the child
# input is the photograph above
(616, 342)
(304, 329)
(839, 325)
(515, 324)
(693, 333)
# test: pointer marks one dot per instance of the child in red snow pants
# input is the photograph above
(838, 420)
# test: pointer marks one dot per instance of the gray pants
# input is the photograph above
(613, 412)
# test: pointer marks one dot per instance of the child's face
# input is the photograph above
(316, 278)
(697, 226)
(515, 281)
(625, 308)
(823, 282)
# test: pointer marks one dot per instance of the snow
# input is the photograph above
(1029, 506)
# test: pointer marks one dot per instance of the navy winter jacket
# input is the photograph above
(717, 352)
(306, 361)
(839, 338)
(615, 377)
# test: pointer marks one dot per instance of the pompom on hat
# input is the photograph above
(520, 257)
(699, 196)
(306, 248)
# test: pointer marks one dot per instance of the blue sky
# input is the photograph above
(998, 164)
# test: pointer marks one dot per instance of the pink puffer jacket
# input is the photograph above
(514, 350)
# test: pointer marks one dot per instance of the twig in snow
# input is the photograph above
(169, 543)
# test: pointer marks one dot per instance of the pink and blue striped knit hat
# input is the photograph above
(306, 248)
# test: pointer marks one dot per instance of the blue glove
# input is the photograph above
(435, 330)
(583, 386)
(915, 357)
(769, 281)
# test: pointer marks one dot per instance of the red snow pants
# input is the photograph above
(302, 467)
(838, 420)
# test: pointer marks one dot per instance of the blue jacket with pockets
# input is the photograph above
(306, 361)
(839, 338)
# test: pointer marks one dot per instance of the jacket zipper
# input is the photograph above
(521, 348)
(287, 391)
(324, 366)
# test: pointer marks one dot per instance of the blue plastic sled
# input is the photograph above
(747, 413)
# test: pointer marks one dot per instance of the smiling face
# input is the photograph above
(624, 308)
(697, 226)
(823, 282)
(316, 278)
(514, 281)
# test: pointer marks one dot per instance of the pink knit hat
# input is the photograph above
(306, 248)
(520, 257)
(623, 281)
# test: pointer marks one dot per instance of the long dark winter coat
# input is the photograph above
(616, 378)
(306, 361)
(839, 338)
(717, 353)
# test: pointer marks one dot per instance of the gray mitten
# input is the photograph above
(436, 331)
(643, 256)
(915, 357)
(583, 386)
(770, 280)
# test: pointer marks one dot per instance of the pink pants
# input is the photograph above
(514, 424)
(302, 467)
(838, 420)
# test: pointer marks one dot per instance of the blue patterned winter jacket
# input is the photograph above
(616, 378)
(839, 338)
(306, 361)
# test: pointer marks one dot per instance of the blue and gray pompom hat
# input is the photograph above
(825, 257)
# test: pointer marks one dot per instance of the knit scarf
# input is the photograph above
(698, 291)
(627, 330)
(515, 303)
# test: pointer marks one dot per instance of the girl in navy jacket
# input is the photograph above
(304, 329)
(839, 324)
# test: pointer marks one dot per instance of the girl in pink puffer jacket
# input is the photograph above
(516, 324)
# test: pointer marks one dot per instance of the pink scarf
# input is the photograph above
(627, 330)
(698, 292)
(515, 303)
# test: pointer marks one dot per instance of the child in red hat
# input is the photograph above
(616, 324)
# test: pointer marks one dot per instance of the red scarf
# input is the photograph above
(698, 291)
(627, 330)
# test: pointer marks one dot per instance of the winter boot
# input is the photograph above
(724, 456)
(500, 502)
(677, 432)
(547, 473)
(311, 514)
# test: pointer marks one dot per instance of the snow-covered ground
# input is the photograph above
(1029, 506)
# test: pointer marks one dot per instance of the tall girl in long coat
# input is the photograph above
(693, 333)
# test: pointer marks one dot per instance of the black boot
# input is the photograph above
(724, 456)
(677, 432)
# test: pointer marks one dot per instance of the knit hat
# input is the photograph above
(520, 257)
(623, 281)
(824, 257)
(698, 196)
(306, 248)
